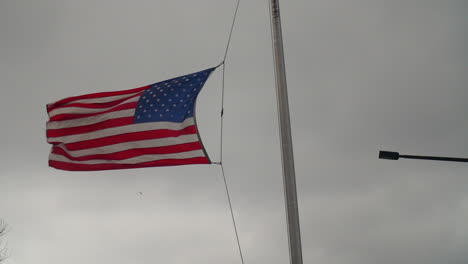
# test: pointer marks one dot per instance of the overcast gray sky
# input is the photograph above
(363, 75)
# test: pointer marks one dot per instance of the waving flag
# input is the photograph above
(148, 126)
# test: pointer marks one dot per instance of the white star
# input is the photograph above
(170, 100)
(155, 110)
(151, 105)
(162, 105)
(158, 99)
(149, 115)
(160, 115)
(174, 105)
(165, 94)
(176, 95)
(154, 95)
(140, 106)
(167, 110)
(144, 111)
(138, 117)
(147, 101)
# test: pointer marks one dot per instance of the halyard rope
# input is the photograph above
(223, 63)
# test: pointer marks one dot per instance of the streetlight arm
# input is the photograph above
(395, 156)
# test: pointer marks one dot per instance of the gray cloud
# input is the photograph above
(363, 76)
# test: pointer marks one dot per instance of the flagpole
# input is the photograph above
(287, 158)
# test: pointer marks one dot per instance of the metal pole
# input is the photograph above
(395, 156)
(287, 158)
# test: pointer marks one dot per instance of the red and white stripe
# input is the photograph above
(96, 132)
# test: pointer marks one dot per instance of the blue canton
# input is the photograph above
(171, 100)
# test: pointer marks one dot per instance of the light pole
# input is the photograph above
(395, 156)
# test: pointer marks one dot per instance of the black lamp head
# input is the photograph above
(389, 155)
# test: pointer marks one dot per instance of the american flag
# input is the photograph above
(148, 126)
